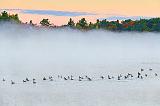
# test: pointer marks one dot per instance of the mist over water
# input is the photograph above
(27, 49)
(32, 52)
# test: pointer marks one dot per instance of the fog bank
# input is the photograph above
(27, 49)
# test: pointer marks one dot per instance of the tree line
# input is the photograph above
(148, 25)
(4, 16)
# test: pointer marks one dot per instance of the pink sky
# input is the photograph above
(102, 8)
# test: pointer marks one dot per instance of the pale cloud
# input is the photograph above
(50, 12)
(56, 13)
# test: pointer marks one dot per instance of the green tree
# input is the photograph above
(71, 23)
(31, 22)
(4, 14)
(82, 24)
(6, 17)
(97, 24)
(91, 25)
(14, 18)
(45, 22)
(103, 24)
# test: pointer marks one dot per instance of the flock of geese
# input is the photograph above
(142, 74)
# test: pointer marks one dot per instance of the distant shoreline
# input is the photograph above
(142, 25)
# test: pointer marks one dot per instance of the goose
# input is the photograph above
(65, 78)
(119, 77)
(102, 77)
(12, 82)
(50, 77)
(3, 80)
(60, 76)
(156, 74)
(44, 78)
(89, 79)
(80, 78)
(27, 79)
(109, 77)
(125, 77)
(34, 82)
(24, 81)
(130, 75)
(142, 69)
(86, 77)
(146, 75)
(71, 77)
(139, 74)
(68, 77)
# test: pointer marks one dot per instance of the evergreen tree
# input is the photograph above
(71, 23)
(10, 18)
(91, 25)
(45, 22)
(82, 24)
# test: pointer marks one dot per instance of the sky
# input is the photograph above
(90, 9)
